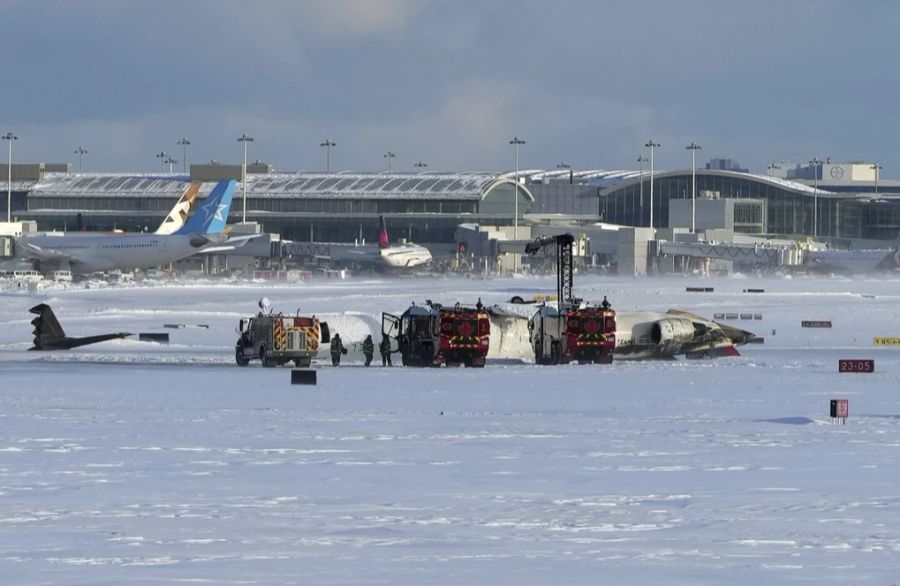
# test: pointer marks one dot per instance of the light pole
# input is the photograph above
(771, 168)
(815, 167)
(10, 137)
(244, 139)
(327, 144)
(565, 165)
(693, 147)
(81, 152)
(641, 160)
(651, 144)
(390, 155)
(183, 143)
(516, 141)
(170, 160)
(162, 156)
(876, 167)
(421, 165)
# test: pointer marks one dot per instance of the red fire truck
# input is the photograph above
(432, 335)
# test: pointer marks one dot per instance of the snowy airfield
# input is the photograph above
(155, 464)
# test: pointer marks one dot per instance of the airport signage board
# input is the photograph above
(815, 324)
(840, 408)
(856, 365)
(886, 341)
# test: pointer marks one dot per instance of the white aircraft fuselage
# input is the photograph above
(101, 252)
(405, 256)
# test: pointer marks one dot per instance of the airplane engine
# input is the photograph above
(672, 331)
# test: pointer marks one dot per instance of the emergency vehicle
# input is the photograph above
(276, 339)
(561, 334)
(569, 330)
(432, 335)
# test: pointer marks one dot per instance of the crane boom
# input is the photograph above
(564, 267)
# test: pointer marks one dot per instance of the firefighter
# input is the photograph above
(368, 349)
(605, 304)
(479, 306)
(385, 348)
(337, 348)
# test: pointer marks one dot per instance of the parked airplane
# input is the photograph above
(49, 335)
(86, 253)
(847, 262)
(392, 256)
(400, 255)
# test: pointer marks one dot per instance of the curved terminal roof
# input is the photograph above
(367, 185)
(110, 185)
(351, 185)
(801, 188)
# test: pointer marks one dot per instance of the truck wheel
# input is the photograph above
(267, 361)
(239, 357)
(555, 352)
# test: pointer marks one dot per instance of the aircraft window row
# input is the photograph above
(139, 245)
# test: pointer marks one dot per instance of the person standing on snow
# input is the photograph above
(385, 348)
(337, 348)
(368, 349)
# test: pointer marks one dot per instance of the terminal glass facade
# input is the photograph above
(789, 210)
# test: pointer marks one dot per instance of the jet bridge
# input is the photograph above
(771, 255)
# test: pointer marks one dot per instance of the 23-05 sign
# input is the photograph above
(856, 365)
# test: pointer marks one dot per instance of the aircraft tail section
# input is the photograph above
(49, 335)
(46, 326)
(383, 240)
(212, 216)
(179, 214)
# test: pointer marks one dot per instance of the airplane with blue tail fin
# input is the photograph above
(86, 252)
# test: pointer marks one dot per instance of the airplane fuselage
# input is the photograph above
(99, 252)
(405, 256)
(648, 334)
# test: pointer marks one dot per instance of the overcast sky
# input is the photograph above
(450, 82)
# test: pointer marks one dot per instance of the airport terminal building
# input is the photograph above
(303, 207)
(428, 207)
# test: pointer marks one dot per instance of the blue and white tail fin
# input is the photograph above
(212, 216)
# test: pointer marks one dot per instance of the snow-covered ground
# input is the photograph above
(152, 464)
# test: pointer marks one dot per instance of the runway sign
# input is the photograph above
(856, 365)
(303, 377)
(815, 324)
(839, 409)
(886, 341)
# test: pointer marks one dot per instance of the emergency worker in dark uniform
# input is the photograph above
(337, 348)
(385, 348)
(368, 349)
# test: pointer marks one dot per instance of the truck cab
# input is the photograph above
(435, 335)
